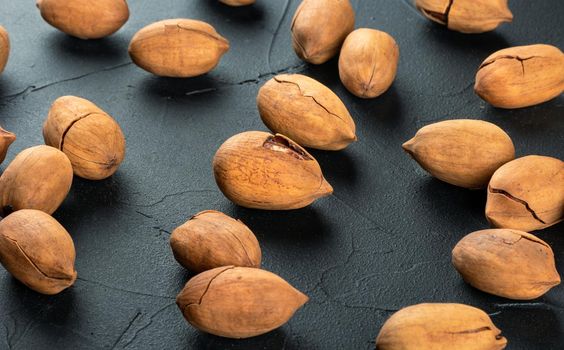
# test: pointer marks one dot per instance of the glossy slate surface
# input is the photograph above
(383, 241)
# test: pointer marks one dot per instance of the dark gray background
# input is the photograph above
(381, 242)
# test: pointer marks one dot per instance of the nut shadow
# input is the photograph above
(109, 49)
(236, 14)
(338, 167)
(276, 339)
(202, 88)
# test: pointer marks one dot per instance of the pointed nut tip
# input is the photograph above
(325, 189)
(407, 146)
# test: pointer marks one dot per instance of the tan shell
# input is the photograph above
(237, 2)
(238, 302)
(212, 239)
(440, 327)
(37, 251)
(85, 20)
(91, 139)
(178, 48)
(527, 194)
(368, 62)
(462, 152)
(508, 263)
(466, 16)
(306, 111)
(319, 28)
(259, 170)
(4, 48)
(39, 178)
(521, 76)
(6, 139)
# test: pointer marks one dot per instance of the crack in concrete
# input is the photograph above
(122, 290)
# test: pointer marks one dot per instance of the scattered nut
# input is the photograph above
(368, 62)
(306, 111)
(258, 170)
(85, 20)
(527, 194)
(319, 28)
(466, 16)
(4, 48)
(91, 139)
(238, 302)
(521, 76)
(6, 139)
(178, 48)
(237, 2)
(37, 251)
(462, 152)
(39, 178)
(507, 263)
(440, 326)
(212, 239)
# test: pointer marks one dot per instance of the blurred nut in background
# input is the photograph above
(259, 170)
(238, 302)
(4, 48)
(212, 239)
(461, 152)
(368, 62)
(507, 263)
(306, 111)
(521, 76)
(39, 178)
(319, 28)
(37, 251)
(85, 19)
(440, 326)
(466, 16)
(527, 194)
(237, 2)
(91, 139)
(180, 48)
(6, 139)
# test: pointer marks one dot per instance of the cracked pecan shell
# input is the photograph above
(39, 178)
(507, 263)
(368, 62)
(37, 251)
(238, 302)
(319, 28)
(212, 239)
(255, 169)
(91, 139)
(521, 76)
(440, 327)
(85, 20)
(178, 48)
(306, 111)
(466, 16)
(6, 139)
(461, 152)
(4, 48)
(527, 194)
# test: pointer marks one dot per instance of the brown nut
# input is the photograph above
(462, 152)
(179, 48)
(368, 62)
(212, 239)
(6, 139)
(306, 111)
(507, 263)
(237, 2)
(4, 48)
(37, 251)
(527, 194)
(521, 76)
(85, 20)
(466, 16)
(440, 327)
(39, 178)
(319, 28)
(259, 170)
(238, 302)
(91, 139)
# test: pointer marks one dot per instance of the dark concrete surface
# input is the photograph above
(382, 242)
